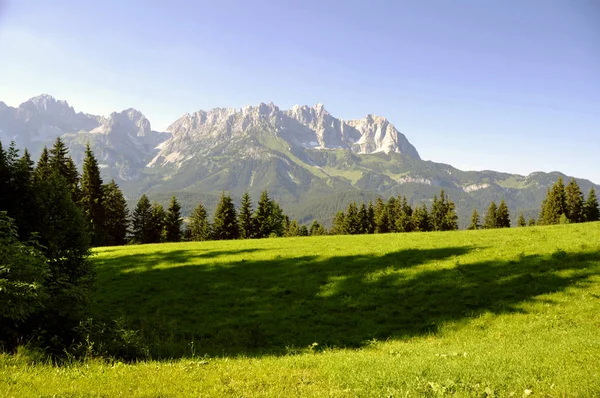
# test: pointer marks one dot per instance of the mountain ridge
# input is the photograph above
(302, 155)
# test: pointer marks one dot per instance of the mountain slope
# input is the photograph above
(311, 162)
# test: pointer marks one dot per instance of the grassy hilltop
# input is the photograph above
(472, 313)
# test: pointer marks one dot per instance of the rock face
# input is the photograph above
(301, 127)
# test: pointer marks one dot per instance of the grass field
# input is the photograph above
(473, 313)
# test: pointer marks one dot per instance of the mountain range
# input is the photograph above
(313, 163)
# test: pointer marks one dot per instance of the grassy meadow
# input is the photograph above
(512, 312)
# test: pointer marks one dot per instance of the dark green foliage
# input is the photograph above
(316, 229)
(293, 229)
(303, 230)
(23, 273)
(474, 221)
(339, 227)
(92, 198)
(60, 162)
(420, 219)
(66, 243)
(403, 216)
(199, 226)
(352, 222)
(521, 220)
(363, 217)
(371, 218)
(502, 216)
(531, 222)
(592, 211)
(225, 224)
(443, 215)
(574, 202)
(173, 222)
(489, 221)
(390, 210)
(116, 215)
(555, 204)
(42, 169)
(381, 217)
(245, 219)
(268, 217)
(142, 221)
(159, 218)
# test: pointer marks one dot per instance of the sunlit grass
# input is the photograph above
(472, 313)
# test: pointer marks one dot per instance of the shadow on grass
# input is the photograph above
(255, 307)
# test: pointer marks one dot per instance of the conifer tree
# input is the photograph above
(363, 217)
(450, 218)
(574, 202)
(437, 213)
(245, 219)
(21, 192)
(381, 217)
(474, 221)
(489, 221)
(59, 161)
(555, 204)
(92, 198)
(592, 212)
(303, 230)
(521, 220)
(42, 169)
(159, 217)
(173, 222)
(142, 221)
(531, 222)
(316, 229)
(338, 226)
(293, 229)
(116, 221)
(199, 227)
(371, 218)
(225, 224)
(403, 220)
(390, 209)
(502, 216)
(352, 222)
(262, 216)
(420, 219)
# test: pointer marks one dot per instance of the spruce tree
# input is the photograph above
(363, 217)
(263, 215)
(502, 216)
(142, 221)
(555, 205)
(521, 220)
(173, 222)
(450, 222)
(531, 222)
(116, 214)
(159, 217)
(245, 219)
(225, 224)
(338, 226)
(59, 161)
(474, 221)
(92, 198)
(371, 218)
(381, 217)
(199, 226)
(437, 213)
(303, 230)
(352, 223)
(489, 221)
(42, 169)
(420, 219)
(293, 229)
(574, 202)
(23, 208)
(316, 229)
(592, 212)
(390, 209)
(403, 220)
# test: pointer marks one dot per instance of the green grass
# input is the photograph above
(470, 313)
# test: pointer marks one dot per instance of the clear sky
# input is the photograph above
(507, 85)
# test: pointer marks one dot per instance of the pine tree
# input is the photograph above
(390, 209)
(159, 217)
(59, 161)
(338, 226)
(592, 212)
(531, 222)
(489, 221)
(437, 213)
(474, 221)
(42, 170)
(173, 222)
(303, 230)
(245, 219)
(371, 217)
(555, 204)
(293, 229)
(116, 221)
(199, 227)
(403, 220)
(352, 223)
(450, 222)
(92, 198)
(574, 202)
(363, 217)
(381, 217)
(502, 216)
(316, 229)
(521, 220)
(262, 216)
(225, 224)
(420, 219)
(142, 221)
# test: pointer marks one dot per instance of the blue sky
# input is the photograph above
(511, 85)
